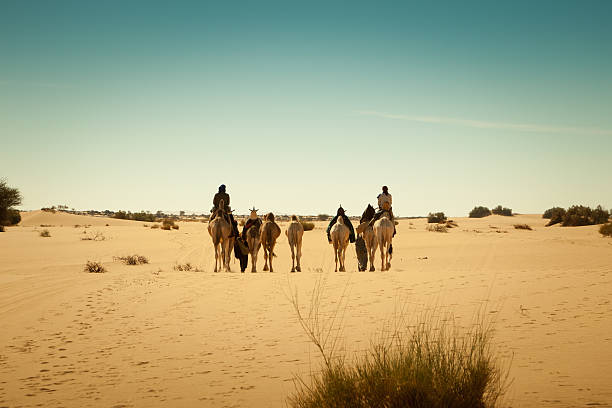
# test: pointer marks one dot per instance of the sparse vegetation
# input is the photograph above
(480, 212)
(45, 233)
(323, 217)
(132, 259)
(154, 226)
(451, 224)
(139, 216)
(1, 228)
(168, 223)
(522, 226)
(579, 215)
(436, 217)
(555, 215)
(424, 363)
(94, 267)
(548, 214)
(307, 225)
(97, 236)
(175, 227)
(437, 228)
(499, 210)
(606, 230)
(9, 197)
(186, 267)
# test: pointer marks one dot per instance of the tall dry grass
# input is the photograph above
(428, 362)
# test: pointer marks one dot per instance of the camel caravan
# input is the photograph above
(376, 230)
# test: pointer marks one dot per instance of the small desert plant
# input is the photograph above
(437, 228)
(436, 217)
(322, 217)
(175, 226)
(97, 236)
(45, 233)
(308, 226)
(168, 224)
(479, 212)
(154, 226)
(606, 230)
(186, 267)
(522, 226)
(499, 210)
(548, 214)
(132, 259)
(94, 267)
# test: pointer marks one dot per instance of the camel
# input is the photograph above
(294, 233)
(253, 239)
(220, 231)
(270, 231)
(340, 239)
(369, 237)
(383, 229)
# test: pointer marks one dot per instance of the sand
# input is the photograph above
(151, 336)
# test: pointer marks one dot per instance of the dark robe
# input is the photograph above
(348, 224)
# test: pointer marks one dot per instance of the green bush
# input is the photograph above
(308, 226)
(499, 210)
(480, 212)
(579, 215)
(9, 197)
(436, 217)
(606, 230)
(556, 215)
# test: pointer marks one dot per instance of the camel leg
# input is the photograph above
(336, 255)
(382, 256)
(271, 256)
(292, 258)
(266, 258)
(253, 261)
(342, 252)
(299, 256)
(216, 256)
(389, 256)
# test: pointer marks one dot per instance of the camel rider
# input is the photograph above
(347, 222)
(253, 221)
(222, 196)
(385, 202)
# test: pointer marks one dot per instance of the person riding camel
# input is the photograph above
(347, 222)
(223, 197)
(385, 202)
(253, 221)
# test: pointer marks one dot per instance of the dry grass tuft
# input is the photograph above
(154, 226)
(175, 227)
(186, 267)
(606, 230)
(308, 226)
(523, 227)
(97, 236)
(132, 259)
(94, 267)
(45, 233)
(436, 228)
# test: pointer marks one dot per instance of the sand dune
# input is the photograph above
(149, 335)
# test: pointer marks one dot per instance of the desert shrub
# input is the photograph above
(94, 267)
(45, 233)
(556, 215)
(47, 209)
(548, 214)
(97, 236)
(166, 227)
(175, 227)
(143, 216)
(322, 217)
(579, 215)
(308, 226)
(13, 217)
(167, 224)
(437, 228)
(479, 212)
(186, 267)
(429, 362)
(1, 228)
(9, 197)
(499, 210)
(522, 226)
(154, 226)
(132, 259)
(451, 224)
(436, 217)
(122, 215)
(606, 230)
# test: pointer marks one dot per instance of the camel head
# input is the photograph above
(253, 215)
(294, 218)
(269, 217)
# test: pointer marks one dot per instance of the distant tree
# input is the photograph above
(322, 217)
(499, 210)
(436, 217)
(9, 197)
(555, 214)
(549, 213)
(182, 213)
(578, 215)
(480, 212)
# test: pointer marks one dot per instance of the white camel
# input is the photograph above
(340, 239)
(383, 229)
(294, 233)
(369, 237)
(270, 231)
(220, 230)
(253, 238)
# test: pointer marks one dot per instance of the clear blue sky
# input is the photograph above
(298, 107)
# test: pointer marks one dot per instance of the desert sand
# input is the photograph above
(151, 336)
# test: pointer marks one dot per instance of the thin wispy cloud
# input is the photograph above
(30, 84)
(520, 127)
